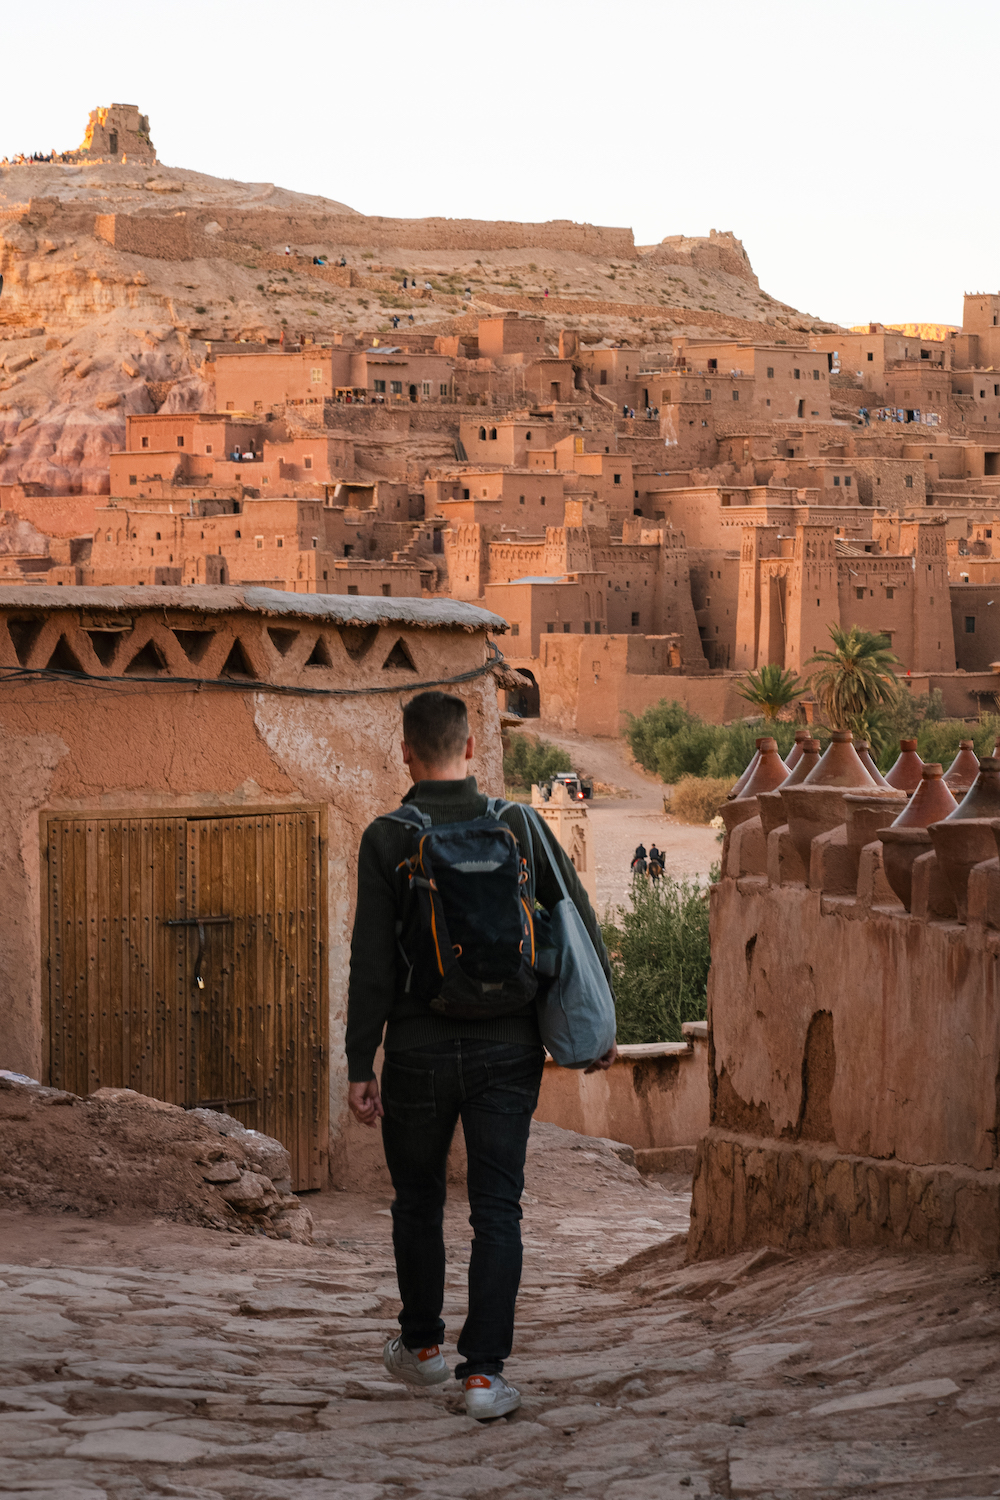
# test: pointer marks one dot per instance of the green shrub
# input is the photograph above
(531, 759)
(696, 798)
(673, 742)
(937, 737)
(659, 951)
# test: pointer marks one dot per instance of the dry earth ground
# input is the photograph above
(619, 823)
(143, 1361)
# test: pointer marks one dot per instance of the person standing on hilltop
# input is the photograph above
(439, 1064)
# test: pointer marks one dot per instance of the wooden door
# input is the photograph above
(184, 959)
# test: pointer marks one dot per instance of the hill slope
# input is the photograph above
(117, 275)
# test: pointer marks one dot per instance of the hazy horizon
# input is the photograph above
(812, 135)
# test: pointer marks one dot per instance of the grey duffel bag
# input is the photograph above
(576, 1013)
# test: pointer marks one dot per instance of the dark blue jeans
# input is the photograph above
(493, 1086)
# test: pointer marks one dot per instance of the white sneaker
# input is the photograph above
(415, 1366)
(490, 1396)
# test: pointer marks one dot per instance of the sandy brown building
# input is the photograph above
(187, 775)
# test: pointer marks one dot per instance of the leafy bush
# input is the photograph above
(922, 718)
(696, 798)
(659, 952)
(673, 742)
(531, 759)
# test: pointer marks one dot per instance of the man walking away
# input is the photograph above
(438, 1068)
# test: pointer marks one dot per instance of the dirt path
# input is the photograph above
(620, 823)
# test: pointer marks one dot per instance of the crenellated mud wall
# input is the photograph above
(855, 1044)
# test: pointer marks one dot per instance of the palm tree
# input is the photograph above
(770, 689)
(856, 677)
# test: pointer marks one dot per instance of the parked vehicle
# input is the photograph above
(580, 788)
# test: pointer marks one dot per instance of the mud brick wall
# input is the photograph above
(855, 1044)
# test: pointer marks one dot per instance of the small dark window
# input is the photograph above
(890, 593)
(860, 593)
(870, 358)
(465, 494)
(836, 480)
(770, 372)
(797, 374)
(352, 588)
(708, 396)
(847, 481)
(908, 481)
(493, 434)
(815, 374)
(145, 442)
(543, 500)
(970, 624)
(132, 479)
(520, 499)
(482, 434)
(567, 627)
(736, 395)
(635, 617)
(550, 628)
(157, 536)
(180, 442)
(586, 627)
(618, 479)
(515, 629)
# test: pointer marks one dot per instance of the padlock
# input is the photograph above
(201, 982)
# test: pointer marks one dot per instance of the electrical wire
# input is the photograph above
(230, 684)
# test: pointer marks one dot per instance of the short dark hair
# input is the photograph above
(435, 726)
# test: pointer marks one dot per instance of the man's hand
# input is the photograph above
(364, 1103)
(602, 1063)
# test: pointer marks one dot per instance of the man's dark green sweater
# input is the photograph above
(378, 976)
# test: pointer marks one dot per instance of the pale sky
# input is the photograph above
(846, 145)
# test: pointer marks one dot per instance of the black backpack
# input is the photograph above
(468, 938)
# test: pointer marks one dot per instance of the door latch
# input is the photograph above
(201, 923)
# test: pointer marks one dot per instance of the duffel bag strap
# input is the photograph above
(539, 823)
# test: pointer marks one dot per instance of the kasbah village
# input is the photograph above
(269, 466)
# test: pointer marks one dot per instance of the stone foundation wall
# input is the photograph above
(808, 1196)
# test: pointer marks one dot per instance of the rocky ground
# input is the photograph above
(618, 823)
(144, 1361)
(123, 1153)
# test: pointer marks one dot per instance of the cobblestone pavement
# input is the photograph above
(146, 1361)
